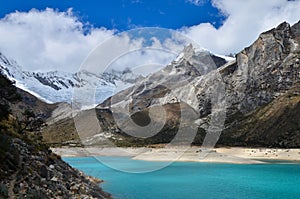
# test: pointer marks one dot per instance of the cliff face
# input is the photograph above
(269, 73)
(266, 69)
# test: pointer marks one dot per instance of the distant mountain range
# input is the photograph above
(57, 86)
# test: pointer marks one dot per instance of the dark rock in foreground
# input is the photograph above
(30, 173)
(28, 169)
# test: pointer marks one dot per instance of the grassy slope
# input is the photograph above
(276, 124)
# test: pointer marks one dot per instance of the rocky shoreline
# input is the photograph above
(27, 173)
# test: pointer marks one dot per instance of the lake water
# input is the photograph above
(194, 180)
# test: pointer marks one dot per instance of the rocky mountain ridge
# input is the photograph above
(222, 98)
(190, 63)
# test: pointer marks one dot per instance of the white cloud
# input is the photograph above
(245, 21)
(52, 40)
(135, 50)
(48, 40)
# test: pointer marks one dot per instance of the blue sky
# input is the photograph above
(126, 14)
(60, 34)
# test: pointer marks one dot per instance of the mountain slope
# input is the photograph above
(276, 124)
(262, 72)
(267, 111)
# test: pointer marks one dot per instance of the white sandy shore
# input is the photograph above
(97, 151)
(234, 155)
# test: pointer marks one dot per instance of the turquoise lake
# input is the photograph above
(194, 180)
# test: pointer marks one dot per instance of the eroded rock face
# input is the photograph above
(265, 69)
(261, 73)
(265, 73)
